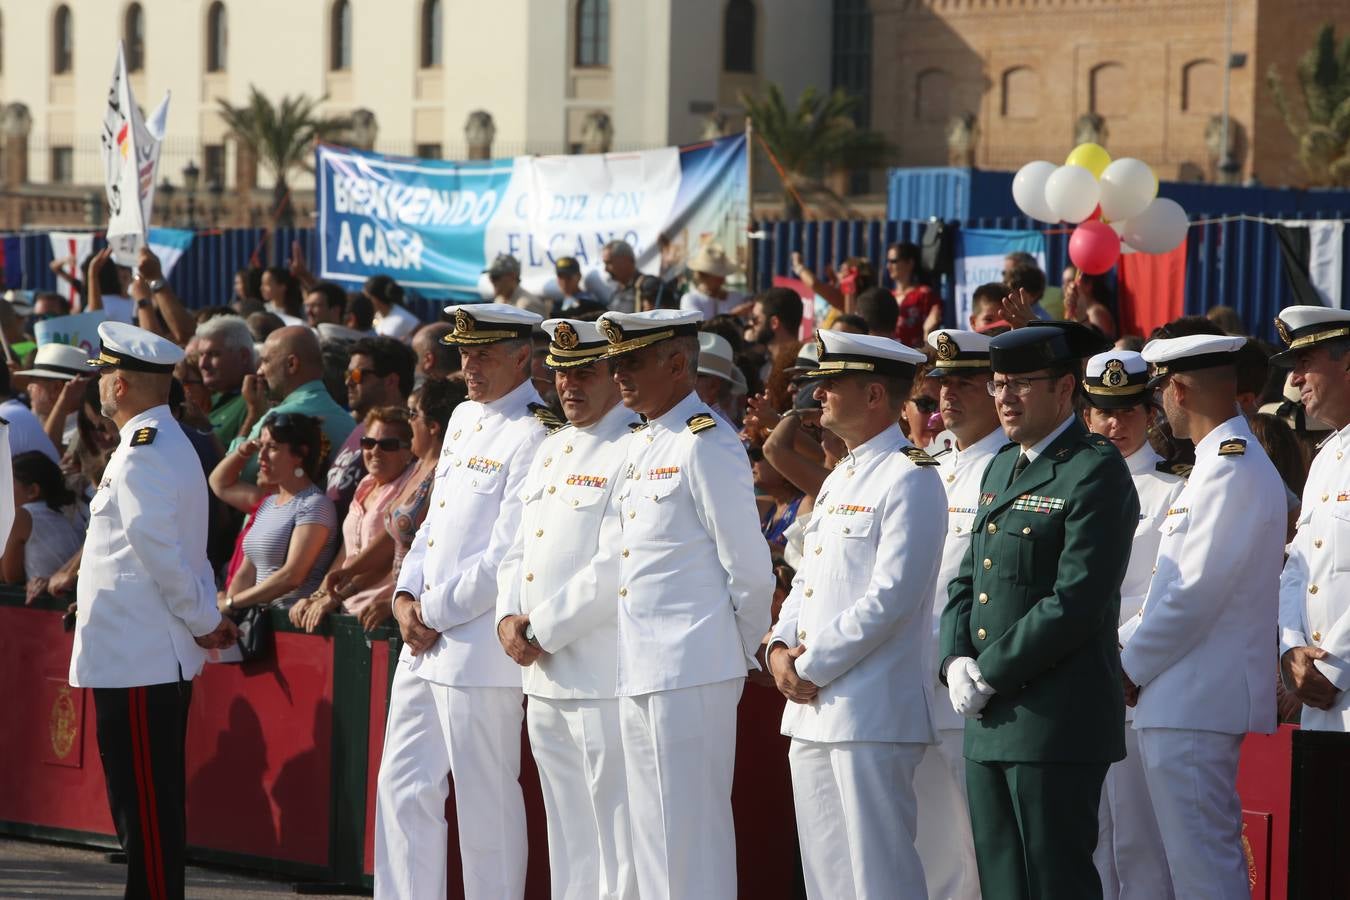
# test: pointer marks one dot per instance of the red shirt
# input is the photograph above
(915, 305)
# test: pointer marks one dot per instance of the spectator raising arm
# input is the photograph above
(180, 322)
(225, 483)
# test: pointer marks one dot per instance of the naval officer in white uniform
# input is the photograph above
(1119, 407)
(456, 705)
(556, 616)
(1199, 661)
(962, 372)
(146, 609)
(694, 588)
(852, 640)
(1315, 585)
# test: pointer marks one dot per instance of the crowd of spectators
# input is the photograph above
(318, 414)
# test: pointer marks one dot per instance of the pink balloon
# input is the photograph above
(1094, 247)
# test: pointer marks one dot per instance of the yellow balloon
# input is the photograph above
(1092, 157)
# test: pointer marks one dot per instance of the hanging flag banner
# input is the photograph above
(434, 225)
(1313, 264)
(169, 244)
(130, 161)
(979, 259)
(74, 246)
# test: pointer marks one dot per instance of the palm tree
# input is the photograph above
(282, 137)
(819, 136)
(1322, 131)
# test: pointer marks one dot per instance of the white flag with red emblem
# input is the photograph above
(130, 161)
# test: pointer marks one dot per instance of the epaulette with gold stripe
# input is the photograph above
(1233, 447)
(143, 436)
(701, 422)
(1175, 468)
(547, 417)
(919, 457)
(636, 426)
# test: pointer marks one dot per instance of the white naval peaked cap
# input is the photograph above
(715, 357)
(124, 346)
(1169, 356)
(573, 343)
(842, 353)
(1116, 379)
(958, 351)
(488, 323)
(60, 362)
(1306, 326)
(627, 332)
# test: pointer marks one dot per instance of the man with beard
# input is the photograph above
(1029, 635)
(290, 374)
(556, 617)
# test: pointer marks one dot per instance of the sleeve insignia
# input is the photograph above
(143, 436)
(547, 417)
(1233, 447)
(919, 457)
(701, 422)
(1175, 468)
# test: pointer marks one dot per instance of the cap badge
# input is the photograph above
(464, 323)
(1114, 375)
(565, 336)
(820, 346)
(946, 348)
(612, 331)
(1283, 329)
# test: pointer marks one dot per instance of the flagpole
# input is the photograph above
(750, 249)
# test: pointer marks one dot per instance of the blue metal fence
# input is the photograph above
(1235, 263)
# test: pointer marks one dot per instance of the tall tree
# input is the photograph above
(1322, 126)
(282, 136)
(816, 137)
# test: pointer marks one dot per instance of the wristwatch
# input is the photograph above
(144, 303)
(229, 603)
(157, 285)
(529, 635)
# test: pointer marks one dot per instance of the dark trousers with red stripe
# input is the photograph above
(141, 737)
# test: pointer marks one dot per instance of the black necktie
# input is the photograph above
(1020, 466)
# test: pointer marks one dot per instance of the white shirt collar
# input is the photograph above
(522, 394)
(152, 416)
(991, 443)
(1040, 446)
(883, 441)
(677, 417)
(1208, 444)
(1142, 460)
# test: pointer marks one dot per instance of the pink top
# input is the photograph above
(365, 524)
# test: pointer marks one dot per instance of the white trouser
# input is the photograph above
(944, 841)
(1192, 779)
(434, 730)
(679, 750)
(1130, 857)
(856, 818)
(578, 748)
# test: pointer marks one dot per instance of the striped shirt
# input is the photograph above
(269, 538)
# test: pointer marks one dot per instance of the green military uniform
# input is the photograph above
(1036, 605)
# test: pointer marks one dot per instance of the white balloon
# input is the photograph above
(1072, 192)
(1028, 190)
(1128, 187)
(1158, 229)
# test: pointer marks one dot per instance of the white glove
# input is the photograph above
(966, 687)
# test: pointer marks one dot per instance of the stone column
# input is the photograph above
(15, 125)
(479, 132)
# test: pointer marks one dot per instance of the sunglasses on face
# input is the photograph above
(356, 376)
(925, 404)
(388, 445)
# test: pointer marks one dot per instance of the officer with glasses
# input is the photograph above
(1028, 644)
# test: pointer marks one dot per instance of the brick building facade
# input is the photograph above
(1002, 82)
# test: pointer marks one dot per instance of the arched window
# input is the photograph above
(431, 33)
(1108, 90)
(63, 41)
(932, 96)
(1201, 86)
(738, 36)
(592, 33)
(215, 37)
(340, 37)
(133, 34)
(1021, 93)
